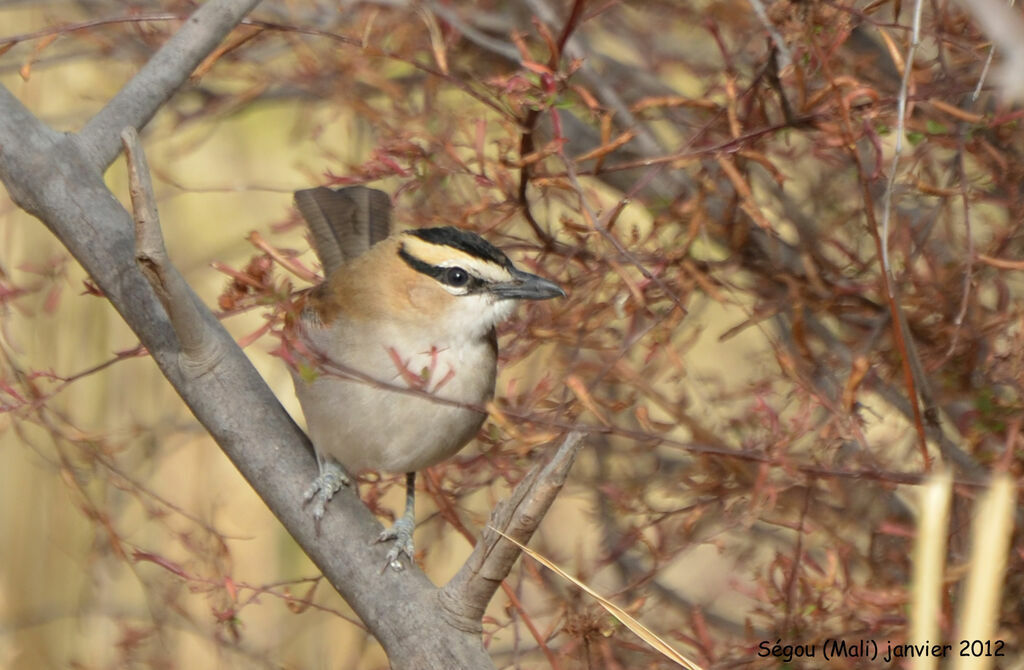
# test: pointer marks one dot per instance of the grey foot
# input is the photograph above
(401, 535)
(323, 488)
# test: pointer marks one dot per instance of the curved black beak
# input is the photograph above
(526, 286)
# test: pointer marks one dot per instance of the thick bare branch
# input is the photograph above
(57, 178)
(466, 596)
(56, 182)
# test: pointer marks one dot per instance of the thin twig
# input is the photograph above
(984, 73)
(600, 224)
(139, 99)
(529, 127)
(968, 232)
(901, 120)
(1006, 29)
(151, 255)
(985, 68)
(912, 369)
(785, 58)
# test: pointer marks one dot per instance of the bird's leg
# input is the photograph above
(331, 478)
(401, 532)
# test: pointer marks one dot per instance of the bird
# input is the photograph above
(396, 350)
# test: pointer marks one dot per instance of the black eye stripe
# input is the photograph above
(445, 275)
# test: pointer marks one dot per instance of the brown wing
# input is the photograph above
(344, 222)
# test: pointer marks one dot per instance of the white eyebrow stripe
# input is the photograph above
(444, 256)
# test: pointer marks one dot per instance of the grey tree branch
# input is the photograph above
(58, 178)
(49, 175)
(136, 103)
(466, 596)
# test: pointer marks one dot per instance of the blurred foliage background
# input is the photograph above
(707, 179)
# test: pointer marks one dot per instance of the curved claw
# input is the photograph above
(322, 489)
(401, 535)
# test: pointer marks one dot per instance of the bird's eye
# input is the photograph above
(456, 277)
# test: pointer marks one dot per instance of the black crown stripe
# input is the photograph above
(465, 241)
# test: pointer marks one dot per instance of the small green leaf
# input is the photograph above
(936, 128)
(915, 138)
(308, 373)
